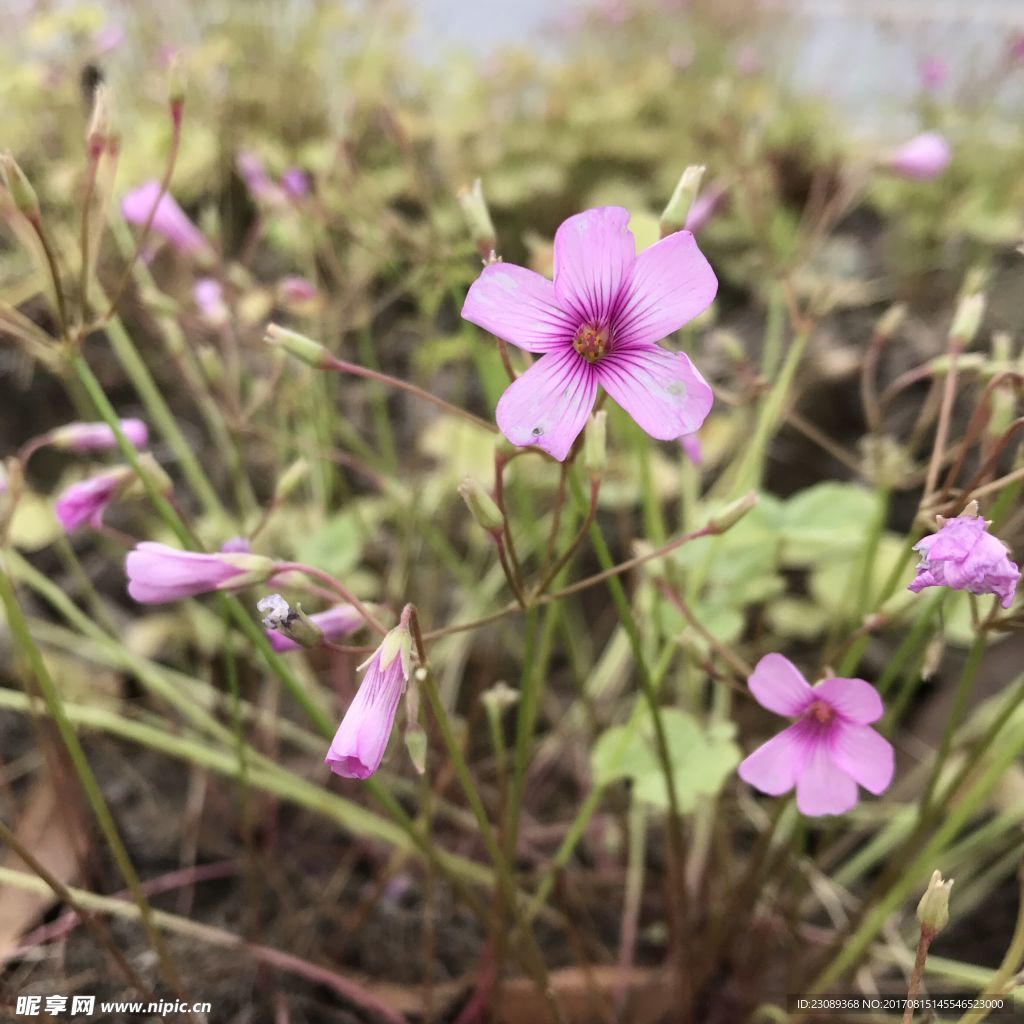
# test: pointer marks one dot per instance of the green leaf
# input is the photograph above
(702, 759)
(826, 521)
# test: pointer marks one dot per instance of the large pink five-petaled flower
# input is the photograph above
(597, 323)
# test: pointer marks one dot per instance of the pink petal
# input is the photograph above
(854, 699)
(518, 306)
(822, 787)
(662, 391)
(777, 685)
(670, 284)
(864, 755)
(774, 767)
(594, 252)
(549, 404)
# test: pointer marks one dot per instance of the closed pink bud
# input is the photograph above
(339, 621)
(97, 437)
(923, 158)
(295, 183)
(86, 501)
(158, 573)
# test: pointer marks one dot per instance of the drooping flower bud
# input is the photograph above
(20, 188)
(298, 345)
(933, 910)
(158, 573)
(291, 479)
(923, 158)
(94, 437)
(968, 316)
(678, 208)
(100, 121)
(292, 623)
(482, 507)
(732, 513)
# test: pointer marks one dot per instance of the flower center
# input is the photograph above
(821, 711)
(591, 342)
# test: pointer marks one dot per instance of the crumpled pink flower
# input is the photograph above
(94, 437)
(963, 555)
(923, 158)
(86, 501)
(829, 750)
(158, 573)
(362, 737)
(597, 323)
(341, 620)
(169, 221)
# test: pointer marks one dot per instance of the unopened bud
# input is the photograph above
(154, 473)
(415, 736)
(595, 445)
(176, 86)
(99, 123)
(933, 910)
(298, 345)
(291, 479)
(732, 513)
(478, 219)
(19, 187)
(891, 321)
(482, 507)
(499, 698)
(294, 623)
(674, 216)
(968, 317)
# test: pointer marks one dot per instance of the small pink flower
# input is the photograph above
(933, 72)
(597, 323)
(296, 290)
(158, 573)
(108, 38)
(254, 174)
(704, 207)
(94, 437)
(963, 555)
(923, 158)
(86, 501)
(169, 221)
(341, 620)
(208, 295)
(295, 183)
(236, 546)
(362, 737)
(1017, 48)
(828, 750)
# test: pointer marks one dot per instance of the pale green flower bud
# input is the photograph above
(674, 216)
(298, 345)
(478, 219)
(732, 513)
(482, 507)
(19, 187)
(291, 479)
(595, 445)
(933, 910)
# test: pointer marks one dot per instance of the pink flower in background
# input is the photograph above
(749, 62)
(208, 295)
(597, 323)
(828, 750)
(169, 221)
(933, 72)
(341, 620)
(362, 737)
(1017, 48)
(254, 174)
(93, 437)
(108, 38)
(295, 183)
(924, 157)
(963, 555)
(690, 443)
(236, 545)
(158, 573)
(86, 501)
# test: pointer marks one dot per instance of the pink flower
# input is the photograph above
(86, 501)
(963, 555)
(254, 174)
(597, 323)
(362, 737)
(924, 157)
(108, 38)
(93, 437)
(933, 72)
(295, 183)
(704, 207)
(296, 290)
(341, 620)
(208, 295)
(236, 545)
(828, 750)
(159, 573)
(169, 221)
(1017, 48)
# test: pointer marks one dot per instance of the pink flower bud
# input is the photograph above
(254, 174)
(295, 183)
(98, 437)
(924, 157)
(341, 620)
(933, 72)
(86, 501)
(169, 221)
(208, 295)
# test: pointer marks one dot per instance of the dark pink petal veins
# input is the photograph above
(594, 252)
(549, 404)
